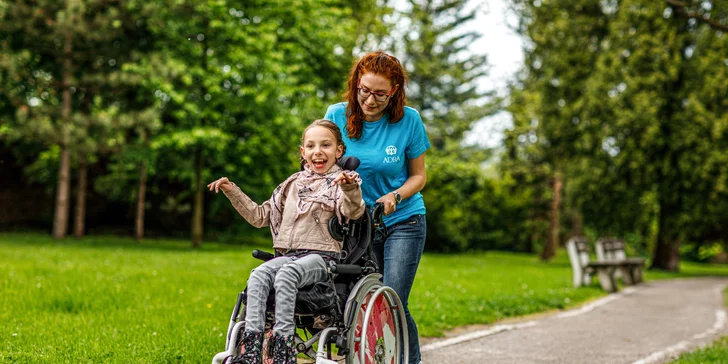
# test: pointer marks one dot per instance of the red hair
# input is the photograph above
(384, 65)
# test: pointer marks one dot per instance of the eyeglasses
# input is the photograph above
(378, 96)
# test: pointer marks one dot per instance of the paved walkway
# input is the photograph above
(650, 323)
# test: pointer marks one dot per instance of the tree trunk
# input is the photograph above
(667, 251)
(60, 218)
(80, 218)
(552, 243)
(141, 194)
(577, 223)
(197, 208)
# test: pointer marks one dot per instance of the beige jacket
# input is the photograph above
(310, 231)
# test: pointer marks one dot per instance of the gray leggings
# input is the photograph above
(286, 275)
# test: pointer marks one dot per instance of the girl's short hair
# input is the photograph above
(382, 64)
(331, 126)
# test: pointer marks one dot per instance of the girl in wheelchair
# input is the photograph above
(297, 213)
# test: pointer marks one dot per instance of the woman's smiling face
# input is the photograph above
(372, 82)
(319, 149)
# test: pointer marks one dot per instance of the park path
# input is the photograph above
(648, 323)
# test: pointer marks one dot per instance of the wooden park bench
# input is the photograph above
(583, 269)
(612, 250)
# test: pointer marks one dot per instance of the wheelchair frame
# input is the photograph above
(373, 327)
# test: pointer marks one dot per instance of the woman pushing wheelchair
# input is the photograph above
(390, 141)
(297, 213)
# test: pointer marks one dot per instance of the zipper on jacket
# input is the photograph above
(318, 223)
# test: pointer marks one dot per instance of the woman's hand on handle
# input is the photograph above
(389, 203)
(414, 183)
(223, 184)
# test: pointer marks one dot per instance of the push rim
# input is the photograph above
(378, 335)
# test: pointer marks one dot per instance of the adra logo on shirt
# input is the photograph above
(391, 157)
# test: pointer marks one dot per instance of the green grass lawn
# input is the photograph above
(108, 299)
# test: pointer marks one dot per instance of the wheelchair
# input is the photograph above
(353, 310)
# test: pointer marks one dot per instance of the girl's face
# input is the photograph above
(368, 83)
(320, 149)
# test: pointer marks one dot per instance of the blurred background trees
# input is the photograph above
(625, 110)
(114, 115)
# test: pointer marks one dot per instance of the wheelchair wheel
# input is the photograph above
(378, 332)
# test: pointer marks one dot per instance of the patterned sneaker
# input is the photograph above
(252, 346)
(284, 349)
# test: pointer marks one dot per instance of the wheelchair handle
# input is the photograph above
(262, 255)
(377, 215)
(349, 163)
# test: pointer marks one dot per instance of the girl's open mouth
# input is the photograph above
(318, 163)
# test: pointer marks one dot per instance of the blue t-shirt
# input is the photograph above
(384, 150)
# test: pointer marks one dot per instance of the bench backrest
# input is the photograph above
(578, 249)
(609, 249)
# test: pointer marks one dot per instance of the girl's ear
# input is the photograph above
(302, 155)
(339, 151)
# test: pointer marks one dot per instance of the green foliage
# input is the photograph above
(618, 97)
(32, 67)
(547, 139)
(238, 83)
(657, 126)
(160, 82)
(704, 251)
(623, 99)
(445, 87)
(468, 211)
(445, 84)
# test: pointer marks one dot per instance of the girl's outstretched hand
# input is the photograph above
(343, 179)
(223, 184)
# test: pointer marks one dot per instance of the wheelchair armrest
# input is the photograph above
(264, 256)
(346, 269)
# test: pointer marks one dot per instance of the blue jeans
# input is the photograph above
(398, 255)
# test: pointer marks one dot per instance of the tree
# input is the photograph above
(546, 103)
(648, 117)
(702, 11)
(444, 78)
(445, 87)
(231, 86)
(55, 54)
(236, 85)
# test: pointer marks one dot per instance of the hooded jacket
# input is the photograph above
(300, 231)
